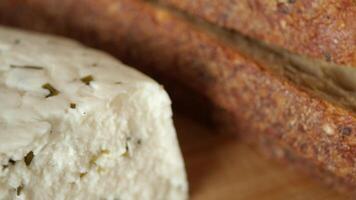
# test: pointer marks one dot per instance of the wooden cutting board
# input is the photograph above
(222, 168)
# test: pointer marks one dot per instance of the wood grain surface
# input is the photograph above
(221, 167)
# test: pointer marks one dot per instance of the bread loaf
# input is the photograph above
(325, 30)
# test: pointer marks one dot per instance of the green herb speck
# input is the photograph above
(87, 79)
(73, 105)
(126, 154)
(12, 162)
(51, 89)
(19, 190)
(27, 67)
(28, 158)
(81, 175)
(139, 141)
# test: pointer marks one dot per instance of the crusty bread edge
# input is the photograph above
(320, 29)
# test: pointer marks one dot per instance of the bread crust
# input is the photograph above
(263, 107)
(320, 29)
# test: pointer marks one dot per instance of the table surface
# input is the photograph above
(220, 167)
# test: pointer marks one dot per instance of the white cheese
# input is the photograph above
(97, 130)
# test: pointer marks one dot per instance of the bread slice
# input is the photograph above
(77, 124)
(324, 30)
(265, 97)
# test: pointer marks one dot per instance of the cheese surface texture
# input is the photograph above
(77, 124)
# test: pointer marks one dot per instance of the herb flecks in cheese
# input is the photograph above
(81, 175)
(52, 91)
(19, 190)
(70, 145)
(87, 79)
(73, 105)
(28, 158)
(12, 162)
(127, 151)
(27, 67)
(139, 141)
